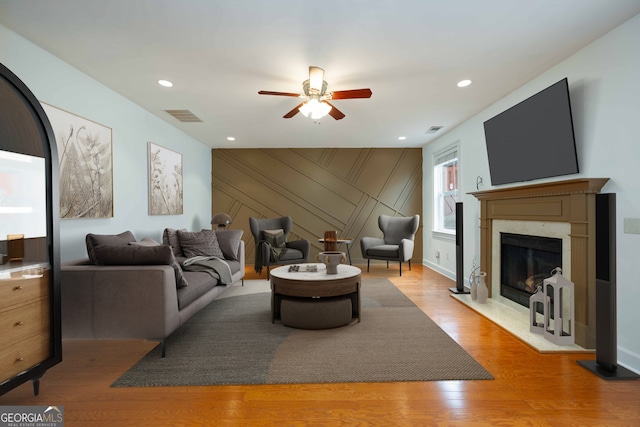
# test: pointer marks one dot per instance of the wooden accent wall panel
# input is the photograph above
(322, 189)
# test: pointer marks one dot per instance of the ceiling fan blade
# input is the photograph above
(351, 94)
(335, 113)
(268, 92)
(293, 112)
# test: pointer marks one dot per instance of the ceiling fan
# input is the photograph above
(317, 104)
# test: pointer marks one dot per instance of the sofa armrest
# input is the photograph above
(118, 301)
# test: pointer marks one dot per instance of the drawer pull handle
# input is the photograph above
(20, 359)
(20, 323)
(17, 288)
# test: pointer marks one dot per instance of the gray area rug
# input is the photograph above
(232, 341)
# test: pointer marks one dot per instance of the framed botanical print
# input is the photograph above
(165, 181)
(86, 165)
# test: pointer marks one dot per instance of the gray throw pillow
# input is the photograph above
(181, 281)
(201, 243)
(229, 241)
(133, 255)
(170, 237)
(276, 238)
(146, 241)
(93, 240)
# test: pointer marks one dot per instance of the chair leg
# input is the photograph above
(409, 265)
(401, 268)
(387, 264)
(368, 261)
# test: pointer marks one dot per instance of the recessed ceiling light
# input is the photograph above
(464, 83)
(165, 83)
(231, 138)
(402, 138)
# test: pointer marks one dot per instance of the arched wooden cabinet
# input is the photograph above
(30, 335)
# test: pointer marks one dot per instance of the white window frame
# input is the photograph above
(441, 159)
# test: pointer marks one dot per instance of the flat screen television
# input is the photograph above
(533, 139)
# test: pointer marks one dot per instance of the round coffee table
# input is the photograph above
(307, 285)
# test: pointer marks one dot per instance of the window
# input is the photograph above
(445, 190)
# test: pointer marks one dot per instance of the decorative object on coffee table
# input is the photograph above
(331, 259)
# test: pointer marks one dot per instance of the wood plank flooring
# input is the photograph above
(530, 389)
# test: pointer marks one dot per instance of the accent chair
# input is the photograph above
(272, 248)
(397, 242)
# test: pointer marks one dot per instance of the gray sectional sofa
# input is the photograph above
(144, 289)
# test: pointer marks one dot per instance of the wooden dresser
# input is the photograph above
(25, 320)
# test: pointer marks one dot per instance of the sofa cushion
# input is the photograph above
(181, 281)
(170, 237)
(93, 240)
(229, 241)
(200, 243)
(199, 284)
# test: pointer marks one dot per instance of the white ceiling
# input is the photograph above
(220, 53)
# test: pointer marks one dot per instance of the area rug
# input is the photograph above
(232, 341)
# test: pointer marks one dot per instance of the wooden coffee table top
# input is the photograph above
(344, 271)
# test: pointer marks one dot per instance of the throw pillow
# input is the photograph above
(133, 255)
(229, 241)
(146, 241)
(93, 240)
(181, 281)
(201, 243)
(170, 237)
(277, 240)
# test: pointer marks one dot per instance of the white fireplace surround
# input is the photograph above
(556, 230)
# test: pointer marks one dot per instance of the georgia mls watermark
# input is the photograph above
(31, 416)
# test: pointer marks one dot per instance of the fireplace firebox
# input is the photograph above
(525, 262)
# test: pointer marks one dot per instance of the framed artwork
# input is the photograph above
(86, 165)
(165, 181)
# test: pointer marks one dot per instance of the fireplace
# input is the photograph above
(525, 261)
(570, 203)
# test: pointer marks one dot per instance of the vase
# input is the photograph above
(474, 287)
(331, 259)
(483, 291)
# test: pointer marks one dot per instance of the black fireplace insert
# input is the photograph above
(525, 261)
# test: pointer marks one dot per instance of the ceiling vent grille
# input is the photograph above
(185, 116)
(433, 129)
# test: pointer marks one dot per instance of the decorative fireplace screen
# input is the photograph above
(525, 261)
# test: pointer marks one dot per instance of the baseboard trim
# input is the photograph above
(629, 359)
(438, 268)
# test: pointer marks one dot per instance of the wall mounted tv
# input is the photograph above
(533, 139)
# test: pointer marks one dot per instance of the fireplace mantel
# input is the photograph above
(571, 201)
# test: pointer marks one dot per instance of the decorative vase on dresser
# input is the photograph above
(29, 238)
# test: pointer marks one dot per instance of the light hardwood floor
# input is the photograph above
(530, 389)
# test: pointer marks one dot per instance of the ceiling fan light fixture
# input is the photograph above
(315, 109)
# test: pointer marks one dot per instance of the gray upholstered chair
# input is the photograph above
(295, 252)
(397, 242)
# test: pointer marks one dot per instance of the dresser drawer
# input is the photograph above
(24, 321)
(24, 355)
(19, 290)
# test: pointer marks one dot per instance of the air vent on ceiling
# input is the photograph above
(184, 116)
(433, 129)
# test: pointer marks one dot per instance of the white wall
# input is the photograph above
(605, 96)
(57, 83)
